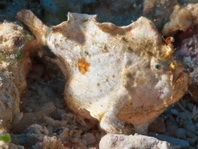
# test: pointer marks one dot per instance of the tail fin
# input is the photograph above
(34, 24)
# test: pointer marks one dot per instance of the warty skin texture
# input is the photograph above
(120, 76)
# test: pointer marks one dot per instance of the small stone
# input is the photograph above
(197, 146)
(50, 129)
(98, 137)
(190, 106)
(180, 133)
(14, 146)
(171, 127)
(48, 108)
(174, 111)
(188, 114)
(175, 142)
(184, 104)
(190, 128)
(192, 141)
(183, 116)
(89, 138)
(190, 135)
(188, 122)
(195, 118)
(172, 119)
(49, 92)
(191, 147)
(17, 117)
(196, 125)
(28, 109)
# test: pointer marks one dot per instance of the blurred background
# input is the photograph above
(120, 12)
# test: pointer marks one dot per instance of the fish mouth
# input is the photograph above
(179, 74)
(179, 81)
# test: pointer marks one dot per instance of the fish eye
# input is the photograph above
(157, 66)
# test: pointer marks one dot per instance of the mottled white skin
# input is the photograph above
(122, 85)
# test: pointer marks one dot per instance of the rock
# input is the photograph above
(191, 135)
(192, 141)
(175, 142)
(183, 115)
(48, 108)
(156, 10)
(89, 138)
(191, 147)
(195, 118)
(190, 106)
(194, 86)
(175, 112)
(181, 19)
(65, 135)
(196, 125)
(171, 127)
(187, 52)
(15, 48)
(140, 81)
(115, 141)
(190, 127)
(180, 133)
(187, 122)
(14, 146)
(50, 143)
(35, 133)
(189, 114)
(49, 92)
(27, 120)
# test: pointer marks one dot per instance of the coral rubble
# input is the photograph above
(14, 65)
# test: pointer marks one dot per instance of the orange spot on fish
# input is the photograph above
(83, 65)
